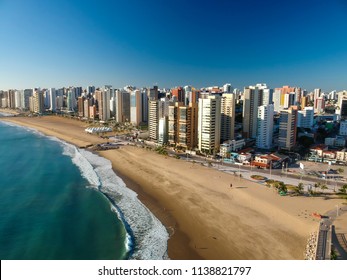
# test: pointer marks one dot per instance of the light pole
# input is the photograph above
(282, 167)
(240, 172)
(270, 168)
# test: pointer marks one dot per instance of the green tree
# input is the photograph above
(316, 185)
(306, 141)
(340, 170)
(300, 188)
(323, 187)
(282, 187)
(343, 189)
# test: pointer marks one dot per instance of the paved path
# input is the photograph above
(324, 240)
(328, 238)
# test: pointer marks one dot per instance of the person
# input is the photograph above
(231, 185)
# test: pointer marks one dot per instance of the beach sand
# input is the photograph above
(204, 216)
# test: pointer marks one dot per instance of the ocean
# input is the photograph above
(58, 202)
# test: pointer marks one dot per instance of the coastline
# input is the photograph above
(209, 221)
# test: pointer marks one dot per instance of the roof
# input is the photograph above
(318, 147)
(246, 150)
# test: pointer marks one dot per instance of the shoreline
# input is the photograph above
(155, 207)
(176, 236)
(209, 220)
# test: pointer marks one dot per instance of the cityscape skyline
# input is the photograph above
(173, 44)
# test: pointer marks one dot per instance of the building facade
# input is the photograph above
(287, 130)
(227, 116)
(209, 124)
(265, 126)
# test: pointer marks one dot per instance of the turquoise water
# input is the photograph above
(47, 210)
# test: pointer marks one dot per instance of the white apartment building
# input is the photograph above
(305, 117)
(135, 107)
(209, 118)
(265, 126)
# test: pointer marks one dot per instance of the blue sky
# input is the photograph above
(171, 43)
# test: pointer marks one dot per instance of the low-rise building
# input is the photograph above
(341, 156)
(316, 152)
(231, 146)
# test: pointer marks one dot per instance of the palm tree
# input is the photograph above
(300, 188)
(343, 189)
(316, 185)
(282, 187)
(323, 187)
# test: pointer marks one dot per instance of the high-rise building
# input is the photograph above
(153, 119)
(18, 98)
(144, 103)
(25, 98)
(113, 106)
(178, 94)
(265, 126)
(319, 105)
(343, 128)
(80, 106)
(342, 109)
(71, 100)
(158, 109)
(209, 124)
(136, 107)
(317, 93)
(304, 102)
(52, 99)
(227, 116)
(267, 96)
(277, 99)
(305, 117)
(252, 99)
(227, 88)
(287, 131)
(153, 93)
(37, 102)
(182, 125)
(289, 100)
(118, 105)
(87, 104)
(91, 90)
(11, 99)
(163, 130)
(283, 91)
(103, 99)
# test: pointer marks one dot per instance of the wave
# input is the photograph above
(29, 129)
(147, 237)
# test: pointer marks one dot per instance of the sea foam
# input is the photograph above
(147, 237)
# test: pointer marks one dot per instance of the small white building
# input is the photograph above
(231, 146)
(244, 157)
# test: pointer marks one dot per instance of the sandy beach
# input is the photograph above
(204, 216)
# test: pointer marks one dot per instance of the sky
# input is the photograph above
(173, 43)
